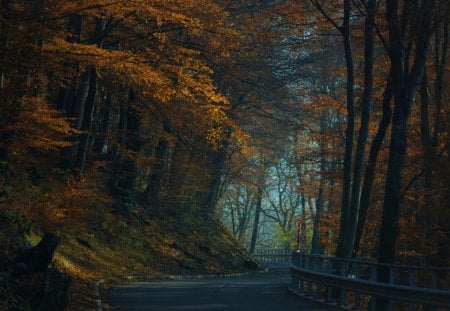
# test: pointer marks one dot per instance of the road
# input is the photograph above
(260, 292)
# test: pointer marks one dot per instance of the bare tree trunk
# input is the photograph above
(428, 146)
(315, 241)
(88, 118)
(218, 162)
(303, 242)
(371, 166)
(348, 241)
(259, 195)
(88, 108)
(67, 96)
(101, 143)
(154, 194)
(349, 132)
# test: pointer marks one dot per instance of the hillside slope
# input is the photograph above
(99, 243)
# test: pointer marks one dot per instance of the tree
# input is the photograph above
(405, 81)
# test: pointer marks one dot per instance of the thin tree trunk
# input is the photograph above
(349, 132)
(116, 150)
(348, 241)
(88, 108)
(259, 195)
(156, 178)
(428, 146)
(441, 51)
(101, 143)
(66, 96)
(315, 241)
(218, 163)
(78, 108)
(88, 119)
(303, 242)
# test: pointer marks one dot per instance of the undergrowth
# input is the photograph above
(97, 244)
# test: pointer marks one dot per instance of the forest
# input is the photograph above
(148, 137)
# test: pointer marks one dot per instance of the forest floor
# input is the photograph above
(102, 240)
(154, 248)
(111, 249)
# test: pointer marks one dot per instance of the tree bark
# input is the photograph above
(371, 166)
(101, 143)
(88, 107)
(348, 241)
(88, 118)
(346, 185)
(259, 195)
(218, 162)
(315, 241)
(154, 194)
(404, 83)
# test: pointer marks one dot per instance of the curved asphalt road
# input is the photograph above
(260, 292)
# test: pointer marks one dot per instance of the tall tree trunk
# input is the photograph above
(88, 108)
(218, 162)
(78, 108)
(443, 251)
(404, 85)
(154, 194)
(303, 242)
(124, 178)
(118, 157)
(258, 206)
(86, 125)
(441, 50)
(349, 132)
(348, 241)
(66, 96)
(428, 146)
(243, 216)
(369, 175)
(101, 143)
(315, 241)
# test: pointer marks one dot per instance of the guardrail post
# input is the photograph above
(391, 281)
(318, 291)
(309, 289)
(301, 286)
(329, 294)
(374, 273)
(391, 275)
(373, 304)
(412, 276)
(373, 277)
(321, 260)
(357, 269)
(412, 282)
(434, 279)
(343, 266)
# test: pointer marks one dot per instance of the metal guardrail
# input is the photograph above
(357, 287)
(273, 255)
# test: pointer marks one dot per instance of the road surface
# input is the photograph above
(260, 292)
